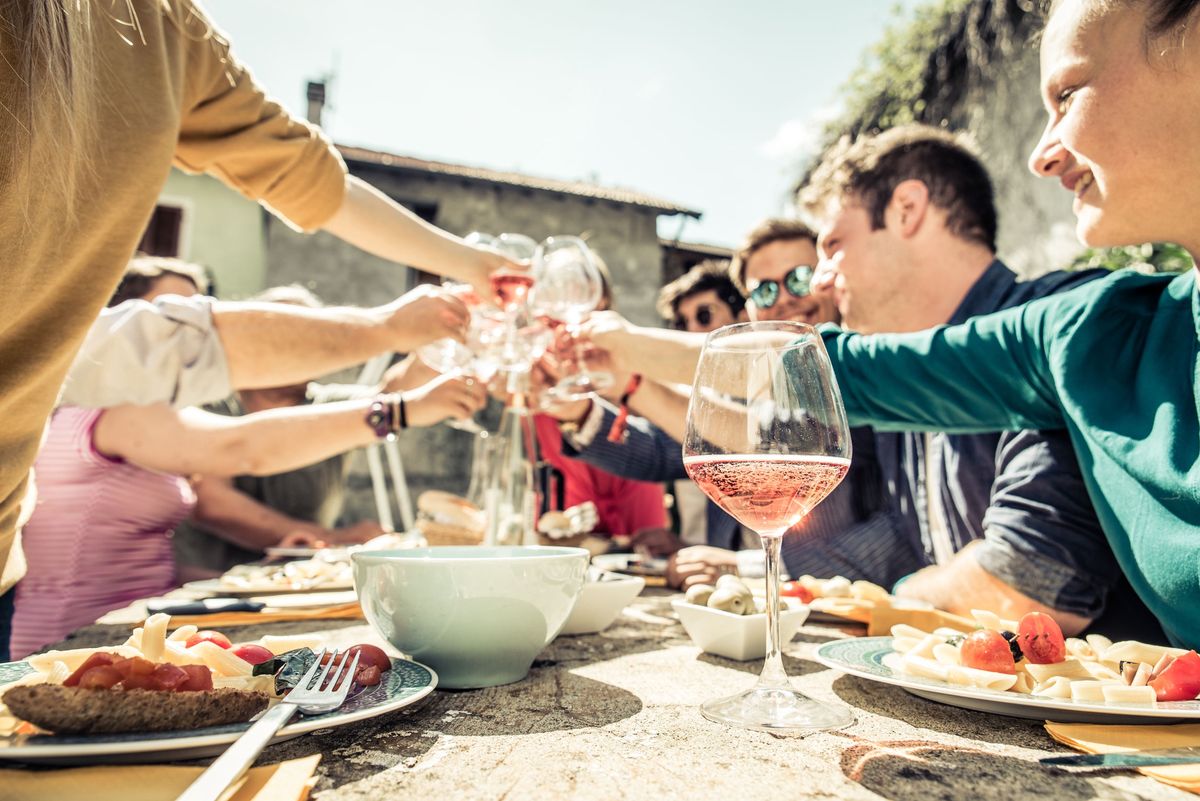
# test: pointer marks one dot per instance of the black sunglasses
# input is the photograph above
(704, 316)
(798, 282)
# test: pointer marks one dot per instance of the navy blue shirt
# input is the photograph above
(1021, 492)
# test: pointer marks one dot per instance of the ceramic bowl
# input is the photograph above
(603, 597)
(740, 637)
(476, 615)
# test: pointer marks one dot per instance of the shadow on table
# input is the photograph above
(922, 771)
(893, 702)
(795, 667)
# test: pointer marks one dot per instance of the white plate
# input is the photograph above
(631, 563)
(863, 657)
(406, 683)
(219, 588)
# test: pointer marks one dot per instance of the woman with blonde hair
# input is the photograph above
(98, 99)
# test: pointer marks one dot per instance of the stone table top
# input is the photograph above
(615, 716)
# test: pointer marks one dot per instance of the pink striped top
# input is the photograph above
(99, 536)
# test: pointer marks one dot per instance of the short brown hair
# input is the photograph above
(143, 272)
(776, 229)
(869, 169)
(710, 274)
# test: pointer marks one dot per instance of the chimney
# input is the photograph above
(316, 101)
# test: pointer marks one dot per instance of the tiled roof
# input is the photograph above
(579, 188)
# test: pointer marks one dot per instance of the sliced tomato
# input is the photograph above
(1041, 639)
(95, 660)
(134, 666)
(139, 681)
(794, 589)
(369, 656)
(1180, 681)
(254, 654)
(101, 677)
(987, 650)
(199, 679)
(215, 637)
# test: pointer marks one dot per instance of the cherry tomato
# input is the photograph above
(199, 679)
(987, 650)
(254, 654)
(370, 656)
(215, 637)
(794, 589)
(1180, 680)
(1041, 639)
(367, 676)
(95, 660)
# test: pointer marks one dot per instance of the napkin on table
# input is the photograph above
(1094, 738)
(284, 781)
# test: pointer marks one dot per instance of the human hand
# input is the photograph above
(423, 315)
(655, 543)
(608, 335)
(303, 538)
(482, 261)
(406, 375)
(442, 398)
(699, 564)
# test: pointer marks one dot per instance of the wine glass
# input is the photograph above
(567, 287)
(510, 287)
(478, 358)
(767, 440)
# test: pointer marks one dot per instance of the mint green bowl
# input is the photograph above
(476, 615)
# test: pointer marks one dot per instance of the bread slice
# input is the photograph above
(74, 710)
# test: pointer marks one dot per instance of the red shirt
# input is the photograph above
(625, 506)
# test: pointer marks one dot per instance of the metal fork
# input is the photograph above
(321, 689)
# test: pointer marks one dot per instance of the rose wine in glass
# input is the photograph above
(511, 288)
(767, 440)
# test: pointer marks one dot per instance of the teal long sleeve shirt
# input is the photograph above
(1115, 363)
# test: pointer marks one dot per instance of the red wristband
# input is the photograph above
(618, 432)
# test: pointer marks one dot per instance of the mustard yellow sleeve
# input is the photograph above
(230, 129)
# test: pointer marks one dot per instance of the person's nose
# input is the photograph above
(1049, 157)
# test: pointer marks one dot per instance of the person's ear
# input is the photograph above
(907, 209)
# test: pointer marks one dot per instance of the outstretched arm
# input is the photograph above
(379, 225)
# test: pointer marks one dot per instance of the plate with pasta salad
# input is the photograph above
(1027, 669)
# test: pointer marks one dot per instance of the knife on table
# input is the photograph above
(1183, 755)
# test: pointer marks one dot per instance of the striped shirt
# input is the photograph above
(99, 537)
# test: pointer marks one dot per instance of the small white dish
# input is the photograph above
(740, 637)
(603, 597)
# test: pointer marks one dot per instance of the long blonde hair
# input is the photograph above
(51, 114)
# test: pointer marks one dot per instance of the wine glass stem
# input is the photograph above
(773, 674)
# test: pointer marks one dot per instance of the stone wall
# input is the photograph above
(1006, 117)
(625, 236)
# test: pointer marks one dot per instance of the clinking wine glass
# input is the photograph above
(567, 287)
(478, 358)
(767, 440)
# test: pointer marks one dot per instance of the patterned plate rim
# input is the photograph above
(861, 657)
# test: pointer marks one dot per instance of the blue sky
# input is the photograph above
(707, 103)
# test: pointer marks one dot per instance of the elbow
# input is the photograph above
(240, 455)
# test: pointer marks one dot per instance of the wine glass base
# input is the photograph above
(780, 710)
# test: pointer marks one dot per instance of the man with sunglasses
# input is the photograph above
(843, 533)
(703, 299)
(774, 270)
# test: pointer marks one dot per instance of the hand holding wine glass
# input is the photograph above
(767, 440)
(568, 286)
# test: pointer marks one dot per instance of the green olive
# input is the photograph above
(699, 594)
(730, 599)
